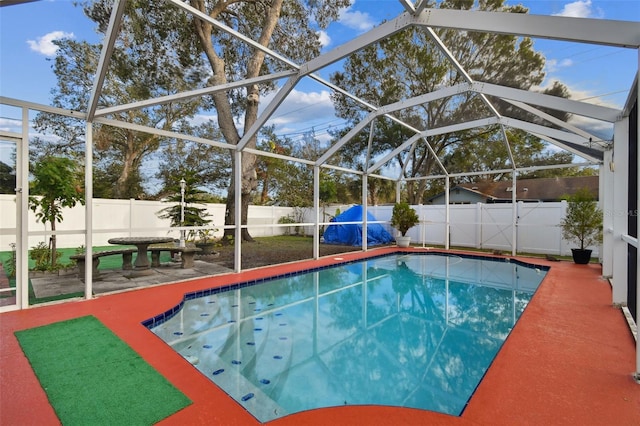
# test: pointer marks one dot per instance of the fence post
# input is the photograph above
(131, 215)
(519, 209)
(563, 213)
(478, 242)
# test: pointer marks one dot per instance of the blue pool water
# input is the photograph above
(408, 330)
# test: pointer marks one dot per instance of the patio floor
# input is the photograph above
(569, 360)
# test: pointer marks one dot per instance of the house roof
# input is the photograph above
(543, 189)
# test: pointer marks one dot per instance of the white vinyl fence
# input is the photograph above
(118, 218)
(487, 226)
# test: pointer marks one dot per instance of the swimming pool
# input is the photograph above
(409, 330)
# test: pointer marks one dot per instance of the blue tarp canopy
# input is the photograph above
(352, 234)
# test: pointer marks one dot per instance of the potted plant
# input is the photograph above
(206, 242)
(582, 224)
(403, 218)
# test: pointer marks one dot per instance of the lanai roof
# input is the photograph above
(569, 136)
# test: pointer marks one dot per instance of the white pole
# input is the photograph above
(88, 218)
(514, 215)
(22, 196)
(423, 225)
(365, 211)
(447, 213)
(182, 187)
(637, 118)
(316, 212)
(237, 248)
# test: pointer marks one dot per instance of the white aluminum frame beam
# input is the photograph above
(4, 3)
(396, 106)
(346, 138)
(408, 6)
(277, 100)
(508, 145)
(421, 5)
(367, 159)
(445, 50)
(22, 221)
(309, 67)
(550, 118)
(41, 107)
(105, 55)
(279, 156)
(376, 34)
(217, 24)
(565, 147)
(581, 30)
(490, 172)
(88, 209)
(381, 162)
(549, 101)
(584, 109)
(432, 132)
(633, 94)
(546, 131)
(194, 93)
(445, 92)
(161, 132)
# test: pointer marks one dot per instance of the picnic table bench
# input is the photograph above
(127, 256)
(142, 243)
(187, 254)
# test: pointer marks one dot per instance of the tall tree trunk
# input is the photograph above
(53, 245)
(132, 153)
(223, 108)
(264, 195)
(120, 191)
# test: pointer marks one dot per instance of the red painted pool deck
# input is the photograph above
(568, 361)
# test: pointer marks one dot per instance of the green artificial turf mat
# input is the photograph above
(91, 377)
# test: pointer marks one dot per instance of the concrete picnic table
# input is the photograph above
(142, 243)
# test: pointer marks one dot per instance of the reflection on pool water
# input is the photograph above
(408, 330)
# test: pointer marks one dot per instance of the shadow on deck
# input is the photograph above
(111, 280)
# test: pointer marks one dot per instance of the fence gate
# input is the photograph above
(497, 224)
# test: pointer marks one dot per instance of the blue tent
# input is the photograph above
(352, 234)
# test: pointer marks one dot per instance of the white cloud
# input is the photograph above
(325, 40)
(580, 9)
(302, 107)
(299, 112)
(199, 119)
(600, 129)
(359, 21)
(304, 111)
(577, 93)
(589, 96)
(553, 65)
(10, 125)
(45, 46)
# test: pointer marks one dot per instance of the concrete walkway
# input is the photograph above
(111, 280)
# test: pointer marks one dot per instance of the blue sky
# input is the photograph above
(600, 74)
